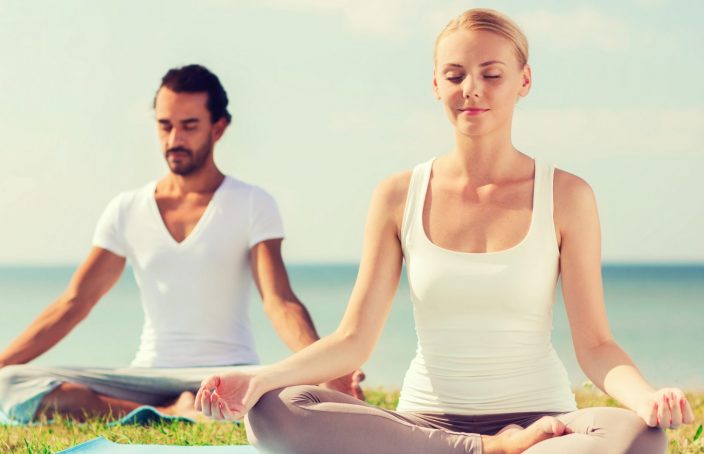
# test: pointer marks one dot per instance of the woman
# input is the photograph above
(484, 230)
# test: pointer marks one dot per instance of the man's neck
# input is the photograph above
(204, 181)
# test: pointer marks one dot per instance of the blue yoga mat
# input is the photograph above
(101, 445)
(5, 421)
(147, 414)
(140, 416)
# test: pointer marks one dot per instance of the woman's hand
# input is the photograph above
(666, 408)
(228, 396)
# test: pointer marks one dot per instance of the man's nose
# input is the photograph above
(175, 138)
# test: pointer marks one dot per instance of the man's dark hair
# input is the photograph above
(198, 79)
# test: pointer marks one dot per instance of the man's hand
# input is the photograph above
(348, 384)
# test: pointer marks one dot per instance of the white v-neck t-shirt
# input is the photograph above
(195, 294)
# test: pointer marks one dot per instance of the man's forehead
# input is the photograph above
(169, 103)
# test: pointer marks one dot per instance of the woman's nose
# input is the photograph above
(470, 89)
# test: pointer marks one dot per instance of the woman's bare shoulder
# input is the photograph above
(390, 194)
(572, 196)
(395, 187)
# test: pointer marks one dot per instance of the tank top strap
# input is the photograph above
(544, 224)
(415, 198)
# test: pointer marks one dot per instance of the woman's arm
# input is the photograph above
(599, 356)
(290, 318)
(348, 347)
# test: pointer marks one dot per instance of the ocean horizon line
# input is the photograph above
(347, 264)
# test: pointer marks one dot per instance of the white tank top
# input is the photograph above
(483, 320)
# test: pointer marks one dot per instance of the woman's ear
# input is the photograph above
(435, 86)
(527, 80)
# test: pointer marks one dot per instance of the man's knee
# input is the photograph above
(11, 374)
(67, 389)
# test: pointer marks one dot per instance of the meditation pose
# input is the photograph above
(196, 240)
(485, 232)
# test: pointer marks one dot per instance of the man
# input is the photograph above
(194, 239)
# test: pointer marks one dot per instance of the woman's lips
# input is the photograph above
(473, 111)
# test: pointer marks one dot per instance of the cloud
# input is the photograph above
(584, 28)
(388, 18)
(581, 28)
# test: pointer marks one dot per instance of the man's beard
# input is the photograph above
(195, 160)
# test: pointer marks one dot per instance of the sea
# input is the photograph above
(656, 313)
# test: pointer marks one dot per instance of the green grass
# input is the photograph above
(64, 433)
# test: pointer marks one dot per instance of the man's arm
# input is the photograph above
(289, 316)
(93, 278)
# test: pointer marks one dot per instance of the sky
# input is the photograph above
(331, 96)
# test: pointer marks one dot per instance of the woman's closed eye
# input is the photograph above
(458, 79)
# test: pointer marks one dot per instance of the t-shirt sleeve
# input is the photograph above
(265, 219)
(108, 232)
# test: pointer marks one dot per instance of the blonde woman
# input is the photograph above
(485, 231)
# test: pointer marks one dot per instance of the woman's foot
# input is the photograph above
(509, 427)
(514, 439)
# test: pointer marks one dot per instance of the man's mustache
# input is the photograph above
(179, 150)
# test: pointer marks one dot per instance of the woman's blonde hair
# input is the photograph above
(492, 21)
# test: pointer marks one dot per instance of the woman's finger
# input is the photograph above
(216, 406)
(652, 418)
(208, 383)
(227, 413)
(205, 403)
(687, 413)
(664, 416)
(675, 410)
(197, 404)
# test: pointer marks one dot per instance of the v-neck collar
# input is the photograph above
(200, 225)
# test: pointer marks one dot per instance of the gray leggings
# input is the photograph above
(309, 419)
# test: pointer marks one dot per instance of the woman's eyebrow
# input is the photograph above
(486, 63)
(492, 62)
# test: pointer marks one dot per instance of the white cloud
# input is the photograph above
(388, 18)
(582, 28)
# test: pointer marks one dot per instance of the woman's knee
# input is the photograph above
(272, 424)
(629, 431)
(276, 403)
(644, 439)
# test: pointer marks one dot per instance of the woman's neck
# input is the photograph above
(486, 158)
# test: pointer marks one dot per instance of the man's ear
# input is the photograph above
(219, 128)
